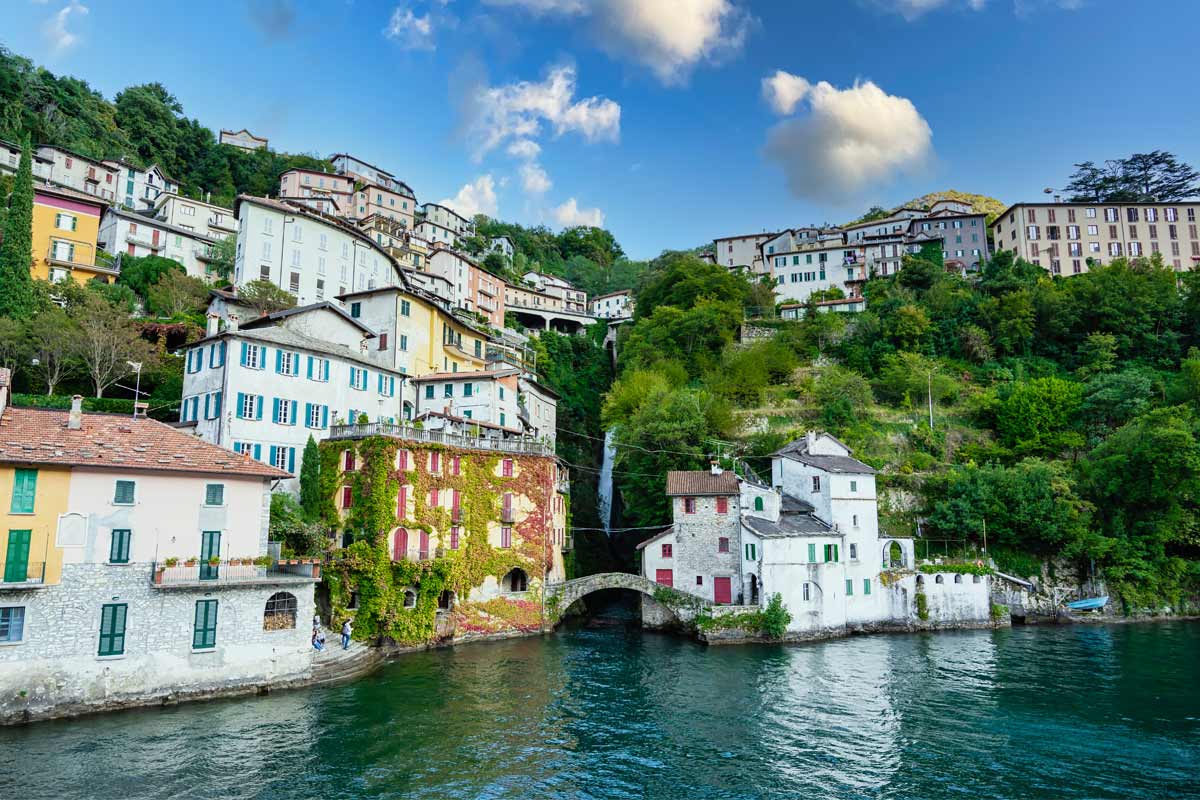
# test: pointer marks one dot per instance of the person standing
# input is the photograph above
(346, 630)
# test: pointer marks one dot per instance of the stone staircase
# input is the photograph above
(334, 664)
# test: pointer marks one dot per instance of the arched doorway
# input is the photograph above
(893, 556)
(400, 545)
(515, 581)
(753, 590)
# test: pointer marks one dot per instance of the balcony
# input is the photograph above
(197, 575)
(508, 515)
(409, 433)
(223, 223)
(145, 241)
(20, 577)
(205, 253)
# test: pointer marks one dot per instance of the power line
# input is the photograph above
(619, 530)
(634, 446)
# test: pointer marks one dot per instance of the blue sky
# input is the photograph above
(657, 118)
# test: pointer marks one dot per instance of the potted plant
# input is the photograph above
(170, 562)
(214, 561)
(192, 561)
(262, 561)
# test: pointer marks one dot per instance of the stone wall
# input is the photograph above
(55, 670)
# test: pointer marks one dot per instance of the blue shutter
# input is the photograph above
(245, 354)
(216, 404)
(274, 409)
(292, 460)
(258, 404)
(279, 361)
(221, 350)
(310, 360)
(295, 364)
(271, 459)
(324, 416)
(353, 371)
(258, 452)
(237, 447)
(325, 369)
(292, 417)
(241, 404)
(307, 414)
(207, 398)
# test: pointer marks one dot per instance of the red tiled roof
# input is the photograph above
(701, 482)
(41, 436)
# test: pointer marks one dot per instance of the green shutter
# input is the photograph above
(812, 553)
(210, 547)
(118, 552)
(849, 586)
(124, 493)
(214, 494)
(16, 559)
(112, 629)
(24, 491)
(866, 585)
(205, 632)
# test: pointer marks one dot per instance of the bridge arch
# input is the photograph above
(683, 606)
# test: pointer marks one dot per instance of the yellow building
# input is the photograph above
(65, 228)
(31, 500)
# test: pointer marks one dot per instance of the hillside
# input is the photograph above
(981, 202)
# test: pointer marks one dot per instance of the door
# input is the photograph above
(154, 238)
(210, 547)
(665, 577)
(400, 544)
(16, 560)
(722, 592)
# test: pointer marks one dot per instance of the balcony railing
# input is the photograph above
(507, 516)
(185, 575)
(413, 434)
(17, 576)
(223, 222)
(145, 241)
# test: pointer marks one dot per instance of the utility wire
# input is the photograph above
(634, 446)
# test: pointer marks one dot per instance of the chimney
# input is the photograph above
(140, 409)
(362, 345)
(715, 467)
(5, 380)
(231, 324)
(211, 325)
(810, 439)
(75, 420)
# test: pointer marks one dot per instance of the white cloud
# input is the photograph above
(410, 31)
(477, 197)
(524, 148)
(913, 9)
(517, 110)
(534, 179)
(570, 215)
(783, 91)
(668, 36)
(850, 138)
(55, 29)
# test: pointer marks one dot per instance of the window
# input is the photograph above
(812, 553)
(722, 505)
(204, 635)
(12, 624)
(112, 629)
(280, 612)
(507, 467)
(253, 356)
(506, 537)
(214, 494)
(405, 308)
(853, 552)
(454, 534)
(751, 552)
(124, 493)
(435, 465)
(667, 551)
(24, 491)
(448, 390)
(816, 483)
(358, 379)
(118, 550)
(831, 552)
(854, 486)
(723, 544)
(689, 505)
(807, 592)
(849, 587)
(429, 392)
(356, 310)
(403, 342)
(65, 222)
(347, 497)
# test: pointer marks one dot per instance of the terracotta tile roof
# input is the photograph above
(701, 482)
(41, 436)
(485, 375)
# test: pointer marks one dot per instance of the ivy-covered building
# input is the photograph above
(442, 535)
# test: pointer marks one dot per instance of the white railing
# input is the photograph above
(414, 434)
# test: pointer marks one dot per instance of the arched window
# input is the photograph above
(516, 581)
(893, 556)
(920, 580)
(974, 579)
(400, 545)
(446, 600)
(280, 613)
(939, 579)
(958, 578)
(758, 503)
(410, 598)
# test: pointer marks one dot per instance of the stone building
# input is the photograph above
(811, 536)
(135, 567)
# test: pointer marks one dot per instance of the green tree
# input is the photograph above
(224, 254)
(1097, 354)
(907, 326)
(16, 251)
(177, 293)
(106, 343)
(1040, 416)
(310, 480)
(52, 338)
(265, 297)
(683, 281)
(139, 273)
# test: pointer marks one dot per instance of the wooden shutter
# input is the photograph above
(24, 491)
(16, 559)
(400, 545)
(664, 577)
(124, 494)
(118, 552)
(205, 631)
(214, 494)
(112, 629)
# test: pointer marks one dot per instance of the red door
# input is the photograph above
(400, 545)
(154, 238)
(664, 576)
(722, 593)
(424, 554)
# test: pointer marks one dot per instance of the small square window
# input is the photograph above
(667, 551)
(214, 494)
(699, 580)
(124, 494)
(723, 544)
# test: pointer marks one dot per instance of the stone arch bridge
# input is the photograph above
(683, 606)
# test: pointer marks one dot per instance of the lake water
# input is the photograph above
(611, 712)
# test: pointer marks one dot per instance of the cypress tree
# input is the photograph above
(16, 252)
(310, 480)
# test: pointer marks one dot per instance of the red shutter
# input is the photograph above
(424, 554)
(456, 465)
(349, 461)
(433, 498)
(664, 577)
(722, 505)
(401, 503)
(722, 591)
(723, 544)
(666, 551)
(508, 467)
(404, 460)
(435, 462)
(347, 496)
(400, 545)
(454, 538)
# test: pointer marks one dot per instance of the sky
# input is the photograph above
(671, 122)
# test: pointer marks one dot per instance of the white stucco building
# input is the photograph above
(263, 386)
(125, 232)
(812, 536)
(138, 189)
(204, 218)
(614, 305)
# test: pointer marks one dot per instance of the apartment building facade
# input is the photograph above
(136, 568)
(78, 172)
(198, 216)
(320, 191)
(125, 232)
(741, 252)
(409, 249)
(614, 305)
(138, 189)
(445, 217)
(242, 139)
(474, 289)
(572, 298)
(65, 231)
(1063, 237)
(10, 161)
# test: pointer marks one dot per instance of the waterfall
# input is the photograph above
(605, 489)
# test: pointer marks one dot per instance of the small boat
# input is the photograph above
(1088, 603)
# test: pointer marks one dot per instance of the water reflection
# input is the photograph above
(615, 713)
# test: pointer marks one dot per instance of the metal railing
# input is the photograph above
(145, 241)
(414, 434)
(18, 575)
(225, 573)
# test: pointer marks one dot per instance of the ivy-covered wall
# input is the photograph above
(366, 566)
